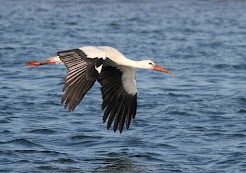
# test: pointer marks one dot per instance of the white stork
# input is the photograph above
(112, 70)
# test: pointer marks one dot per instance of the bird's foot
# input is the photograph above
(36, 63)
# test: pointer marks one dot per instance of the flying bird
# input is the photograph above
(112, 70)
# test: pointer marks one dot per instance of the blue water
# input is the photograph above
(192, 122)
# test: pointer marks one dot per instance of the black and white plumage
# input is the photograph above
(121, 105)
(112, 70)
(82, 73)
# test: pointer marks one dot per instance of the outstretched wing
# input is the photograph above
(84, 65)
(119, 95)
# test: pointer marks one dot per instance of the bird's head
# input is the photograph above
(150, 65)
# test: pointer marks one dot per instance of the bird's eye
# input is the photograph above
(150, 63)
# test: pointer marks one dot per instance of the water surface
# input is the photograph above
(192, 122)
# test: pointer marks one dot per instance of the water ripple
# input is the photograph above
(191, 122)
(22, 142)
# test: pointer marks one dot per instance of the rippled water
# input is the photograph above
(192, 122)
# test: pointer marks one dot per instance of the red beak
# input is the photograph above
(159, 68)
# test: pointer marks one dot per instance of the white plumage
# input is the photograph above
(112, 70)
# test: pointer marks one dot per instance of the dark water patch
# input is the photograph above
(114, 24)
(5, 132)
(7, 152)
(28, 104)
(179, 95)
(110, 159)
(7, 48)
(238, 135)
(87, 143)
(230, 66)
(118, 165)
(54, 94)
(44, 116)
(135, 141)
(4, 121)
(71, 23)
(178, 113)
(64, 160)
(6, 107)
(42, 131)
(217, 115)
(239, 66)
(82, 137)
(50, 152)
(216, 134)
(242, 111)
(2, 97)
(48, 168)
(147, 156)
(50, 103)
(227, 163)
(198, 129)
(242, 131)
(27, 151)
(22, 142)
(242, 99)
(38, 153)
(85, 140)
(165, 146)
(24, 161)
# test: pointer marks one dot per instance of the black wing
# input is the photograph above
(120, 105)
(83, 71)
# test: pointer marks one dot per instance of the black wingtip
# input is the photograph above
(108, 126)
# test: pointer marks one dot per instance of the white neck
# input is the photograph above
(120, 59)
(132, 63)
